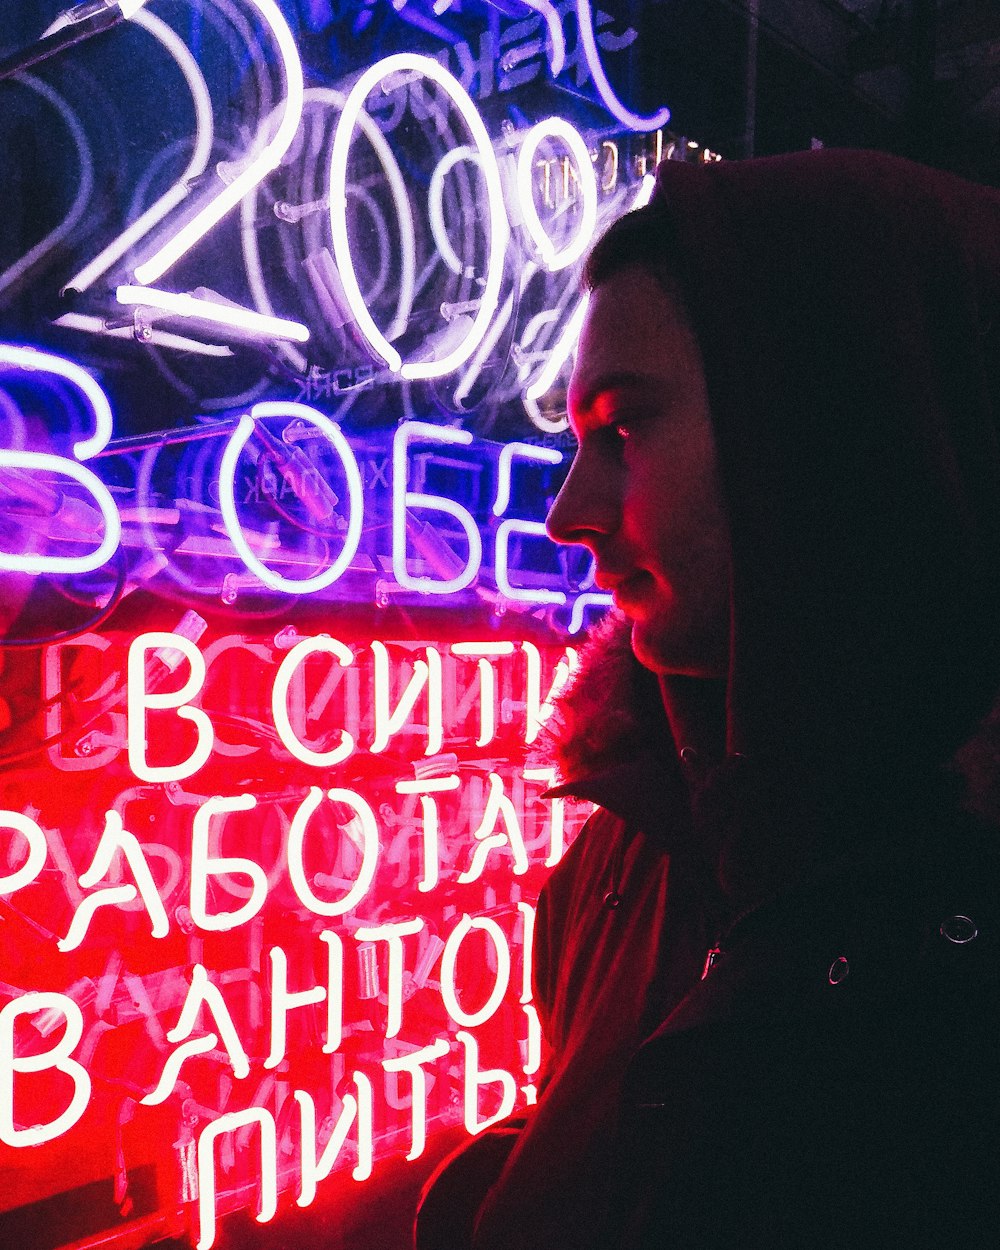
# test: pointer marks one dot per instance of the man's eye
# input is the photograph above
(614, 435)
(625, 425)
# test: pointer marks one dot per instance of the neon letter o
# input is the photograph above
(557, 128)
(227, 496)
(410, 62)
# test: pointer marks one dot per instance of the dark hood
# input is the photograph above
(847, 305)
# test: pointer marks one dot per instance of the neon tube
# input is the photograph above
(227, 496)
(435, 203)
(567, 340)
(84, 190)
(200, 309)
(29, 360)
(85, 11)
(581, 603)
(557, 57)
(156, 338)
(405, 278)
(520, 594)
(526, 451)
(403, 500)
(499, 228)
(483, 350)
(196, 165)
(269, 158)
(557, 128)
(559, 354)
(449, 961)
(634, 121)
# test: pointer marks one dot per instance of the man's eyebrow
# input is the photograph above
(621, 379)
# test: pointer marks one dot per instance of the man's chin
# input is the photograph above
(657, 650)
(648, 649)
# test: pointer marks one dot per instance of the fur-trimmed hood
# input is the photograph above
(611, 713)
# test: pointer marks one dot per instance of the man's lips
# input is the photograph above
(624, 586)
(609, 581)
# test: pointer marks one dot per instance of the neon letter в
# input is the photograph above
(140, 700)
(58, 1057)
(27, 360)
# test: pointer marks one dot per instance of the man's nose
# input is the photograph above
(588, 505)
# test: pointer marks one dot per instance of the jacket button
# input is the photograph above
(612, 899)
(839, 970)
(959, 929)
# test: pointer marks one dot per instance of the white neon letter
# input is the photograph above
(388, 723)
(37, 850)
(541, 455)
(436, 551)
(557, 128)
(58, 1057)
(267, 159)
(200, 153)
(114, 839)
(392, 934)
(474, 1082)
(205, 865)
(538, 710)
(202, 993)
(230, 1123)
(141, 700)
(497, 805)
(487, 682)
(227, 497)
(279, 702)
(449, 959)
(27, 360)
(357, 1110)
(414, 1064)
(413, 63)
(363, 832)
(282, 1002)
(425, 788)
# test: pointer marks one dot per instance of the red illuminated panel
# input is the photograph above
(267, 906)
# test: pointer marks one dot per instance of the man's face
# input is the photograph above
(642, 494)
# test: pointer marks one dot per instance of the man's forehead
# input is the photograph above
(634, 337)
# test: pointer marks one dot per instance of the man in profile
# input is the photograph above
(767, 971)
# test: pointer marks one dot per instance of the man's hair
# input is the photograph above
(644, 237)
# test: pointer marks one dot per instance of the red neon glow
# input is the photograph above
(301, 955)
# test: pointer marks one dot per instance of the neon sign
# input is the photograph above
(271, 822)
(320, 489)
(506, 258)
(379, 868)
